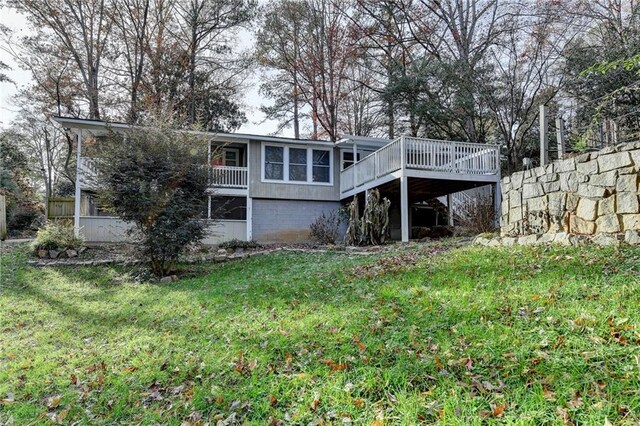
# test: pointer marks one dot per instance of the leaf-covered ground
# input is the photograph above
(468, 336)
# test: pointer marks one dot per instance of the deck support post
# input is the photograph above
(78, 194)
(450, 208)
(404, 208)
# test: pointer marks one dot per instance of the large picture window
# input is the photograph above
(321, 166)
(296, 164)
(274, 162)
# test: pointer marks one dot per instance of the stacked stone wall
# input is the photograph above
(591, 193)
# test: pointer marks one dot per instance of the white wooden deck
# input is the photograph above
(422, 158)
(425, 159)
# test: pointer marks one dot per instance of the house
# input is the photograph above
(272, 188)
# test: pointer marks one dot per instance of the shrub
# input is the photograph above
(326, 228)
(478, 215)
(373, 227)
(156, 178)
(236, 244)
(57, 236)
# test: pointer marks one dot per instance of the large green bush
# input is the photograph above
(156, 178)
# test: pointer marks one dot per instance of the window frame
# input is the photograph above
(235, 151)
(285, 176)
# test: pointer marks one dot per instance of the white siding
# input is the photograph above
(99, 229)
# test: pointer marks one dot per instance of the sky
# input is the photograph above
(15, 21)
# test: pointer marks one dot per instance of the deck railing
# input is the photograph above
(229, 177)
(422, 154)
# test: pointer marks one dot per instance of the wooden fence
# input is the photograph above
(60, 208)
(3, 217)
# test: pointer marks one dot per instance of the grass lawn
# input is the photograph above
(470, 336)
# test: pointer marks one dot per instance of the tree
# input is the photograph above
(15, 183)
(609, 42)
(278, 48)
(310, 46)
(205, 27)
(132, 21)
(44, 146)
(83, 28)
(524, 69)
(156, 178)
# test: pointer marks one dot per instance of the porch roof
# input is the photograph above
(98, 127)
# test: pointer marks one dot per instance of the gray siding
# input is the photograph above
(286, 220)
(259, 189)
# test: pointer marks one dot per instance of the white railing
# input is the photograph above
(229, 177)
(347, 179)
(422, 154)
(389, 158)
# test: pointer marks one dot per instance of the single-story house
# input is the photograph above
(273, 188)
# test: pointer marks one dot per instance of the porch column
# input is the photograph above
(497, 199)
(78, 195)
(404, 208)
(249, 218)
(450, 209)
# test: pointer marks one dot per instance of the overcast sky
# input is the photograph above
(18, 24)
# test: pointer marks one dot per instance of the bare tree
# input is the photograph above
(525, 73)
(205, 28)
(131, 20)
(83, 28)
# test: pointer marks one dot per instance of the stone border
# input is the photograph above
(562, 238)
(217, 257)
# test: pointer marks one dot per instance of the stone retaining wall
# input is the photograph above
(592, 193)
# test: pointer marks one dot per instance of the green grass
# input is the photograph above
(471, 336)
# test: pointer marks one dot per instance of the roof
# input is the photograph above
(99, 126)
(363, 141)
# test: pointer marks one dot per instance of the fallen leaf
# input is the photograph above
(439, 365)
(469, 364)
(359, 403)
(273, 401)
(9, 399)
(252, 365)
(315, 404)
(53, 401)
(498, 410)
(576, 402)
(564, 416)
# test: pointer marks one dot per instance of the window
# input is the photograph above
(274, 162)
(347, 159)
(321, 166)
(297, 164)
(231, 157)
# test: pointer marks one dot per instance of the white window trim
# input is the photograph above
(347, 151)
(285, 159)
